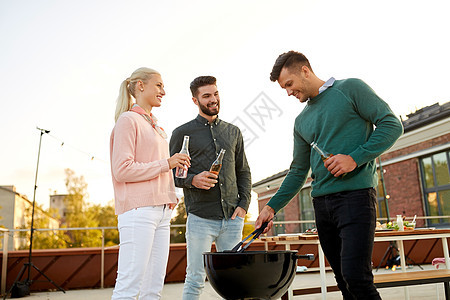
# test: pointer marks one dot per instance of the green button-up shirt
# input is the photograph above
(234, 182)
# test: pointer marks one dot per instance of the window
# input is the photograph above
(306, 209)
(279, 228)
(382, 205)
(435, 174)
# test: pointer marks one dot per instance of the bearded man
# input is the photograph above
(216, 205)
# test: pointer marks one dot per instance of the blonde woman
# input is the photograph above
(143, 187)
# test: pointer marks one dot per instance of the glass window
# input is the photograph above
(306, 209)
(444, 199)
(382, 208)
(436, 186)
(380, 190)
(428, 172)
(433, 206)
(279, 228)
(441, 166)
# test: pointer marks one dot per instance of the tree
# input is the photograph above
(106, 218)
(41, 239)
(177, 234)
(78, 213)
(248, 228)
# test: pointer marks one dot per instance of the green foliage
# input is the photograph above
(106, 218)
(41, 239)
(177, 234)
(79, 214)
(248, 228)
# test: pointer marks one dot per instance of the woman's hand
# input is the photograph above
(179, 160)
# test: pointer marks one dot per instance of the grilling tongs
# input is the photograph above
(256, 233)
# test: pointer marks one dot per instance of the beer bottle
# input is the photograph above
(217, 164)
(181, 172)
(324, 155)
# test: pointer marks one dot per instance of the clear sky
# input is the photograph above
(61, 64)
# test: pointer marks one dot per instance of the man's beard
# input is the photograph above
(207, 111)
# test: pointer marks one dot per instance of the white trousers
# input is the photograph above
(144, 250)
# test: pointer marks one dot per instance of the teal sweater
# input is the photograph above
(341, 120)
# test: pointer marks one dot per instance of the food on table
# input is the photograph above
(379, 226)
(406, 225)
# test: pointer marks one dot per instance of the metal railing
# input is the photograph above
(7, 232)
(5, 259)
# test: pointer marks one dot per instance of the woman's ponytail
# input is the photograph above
(124, 101)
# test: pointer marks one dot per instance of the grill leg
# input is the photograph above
(447, 290)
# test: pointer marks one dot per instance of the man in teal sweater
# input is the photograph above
(346, 118)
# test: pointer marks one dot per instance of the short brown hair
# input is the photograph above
(288, 60)
(201, 81)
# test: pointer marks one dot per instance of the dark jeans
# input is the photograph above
(346, 226)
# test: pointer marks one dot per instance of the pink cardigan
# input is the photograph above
(139, 166)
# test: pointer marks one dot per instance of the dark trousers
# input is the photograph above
(346, 226)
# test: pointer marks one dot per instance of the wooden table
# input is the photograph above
(398, 236)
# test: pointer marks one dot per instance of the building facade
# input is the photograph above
(58, 206)
(15, 213)
(414, 176)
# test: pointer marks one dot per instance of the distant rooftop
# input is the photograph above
(417, 119)
(269, 179)
(426, 115)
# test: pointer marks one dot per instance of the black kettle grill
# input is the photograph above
(237, 274)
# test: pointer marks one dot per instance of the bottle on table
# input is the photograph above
(181, 172)
(217, 164)
(400, 223)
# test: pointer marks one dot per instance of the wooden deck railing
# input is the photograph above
(77, 268)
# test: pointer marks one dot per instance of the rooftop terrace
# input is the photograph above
(173, 291)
